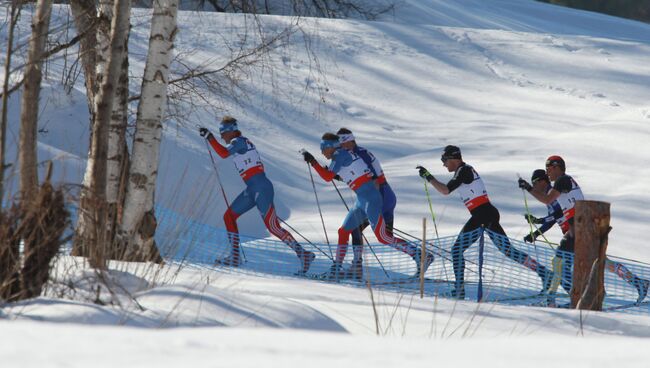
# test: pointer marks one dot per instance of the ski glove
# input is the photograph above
(531, 237)
(424, 173)
(533, 220)
(309, 158)
(523, 184)
(204, 132)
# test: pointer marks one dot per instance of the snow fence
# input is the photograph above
(490, 275)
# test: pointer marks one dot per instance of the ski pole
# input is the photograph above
(307, 240)
(320, 212)
(433, 218)
(528, 215)
(364, 237)
(223, 192)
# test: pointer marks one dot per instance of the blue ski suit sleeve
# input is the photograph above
(237, 145)
(554, 214)
(340, 158)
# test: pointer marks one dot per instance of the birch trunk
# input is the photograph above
(93, 208)
(15, 8)
(84, 14)
(101, 47)
(29, 105)
(138, 220)
(118, 154)
(95, 46)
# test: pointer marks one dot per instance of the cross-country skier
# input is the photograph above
(355, 173)
(562, 196)
(258, 193)
(472, 192)
(347, 140)
(562, 259)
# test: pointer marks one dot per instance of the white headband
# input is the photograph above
(346, 138)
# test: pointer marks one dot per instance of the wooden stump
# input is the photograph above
(591, 228)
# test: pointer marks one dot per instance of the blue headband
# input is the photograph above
(228, 128)
(329, 144)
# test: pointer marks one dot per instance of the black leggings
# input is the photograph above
(565, 252)
(487, 215)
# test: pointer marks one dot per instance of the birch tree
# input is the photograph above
(97, 49)
(138, 221)
(84, 15)
(91, 231)
(29, 104)
(13, 19)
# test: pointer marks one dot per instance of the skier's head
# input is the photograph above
(328, 144)
(346, 138)
(555, 167)
(228, 128)
(540, 179)
(451, 158)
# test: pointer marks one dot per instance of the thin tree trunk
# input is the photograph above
(94, 207)
(84, 14)
(592, 229)
(101, 48)
(118, 154)
(138, 220)
(15, 12)
(29, 105)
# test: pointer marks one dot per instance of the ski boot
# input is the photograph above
(334, 274)
(233, 260)
(642, 286)
(547, 280)
(355, 271)
(458, 292)
(306, 258)
(427, 262)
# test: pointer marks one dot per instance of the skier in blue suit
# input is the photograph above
(352, 170)
(348, 141)
(258, 193)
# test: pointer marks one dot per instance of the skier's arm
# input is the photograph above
(545, 197)
(440, 187)
(218, 148)
(548, 223)
(463, 176)
(324, 173)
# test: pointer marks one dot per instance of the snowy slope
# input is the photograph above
(510, 82)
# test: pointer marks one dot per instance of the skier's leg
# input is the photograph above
(264, 195)
(566, 251)
(623, 272)
(353, 221)
(465, 239)
(239, 206)
(388, 207)
(357, 242)
(500, 239)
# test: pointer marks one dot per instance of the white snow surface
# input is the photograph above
(509, 81)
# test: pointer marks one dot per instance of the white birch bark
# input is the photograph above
(102, 47)
(29, 105)
(93, 206)
(138, 220)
